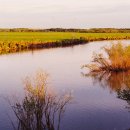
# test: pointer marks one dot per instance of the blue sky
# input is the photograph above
(65, 13)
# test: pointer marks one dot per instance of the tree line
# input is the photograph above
(92, 30)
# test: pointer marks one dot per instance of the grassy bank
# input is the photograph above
(18, 41)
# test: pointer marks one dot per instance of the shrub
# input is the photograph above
(40, 109)
(118, 59)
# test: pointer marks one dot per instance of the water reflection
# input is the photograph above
(125, 95)
(40, 109)
(116, 82)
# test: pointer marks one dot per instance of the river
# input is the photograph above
(94, 106)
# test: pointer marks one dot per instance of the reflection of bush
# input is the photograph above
(125, 95)
(115, 81)
(40, 109)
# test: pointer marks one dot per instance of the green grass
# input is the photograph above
(54, 36)
(17, 41)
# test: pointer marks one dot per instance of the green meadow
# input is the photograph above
(17, 41)
(55, 36)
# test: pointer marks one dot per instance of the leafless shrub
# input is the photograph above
(40, 109)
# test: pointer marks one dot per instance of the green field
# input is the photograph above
(54, 36)
(17, 41)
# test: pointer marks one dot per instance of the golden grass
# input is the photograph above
(118, 59)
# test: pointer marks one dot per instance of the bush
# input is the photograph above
(118, 59)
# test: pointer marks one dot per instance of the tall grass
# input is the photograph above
(118, 59)
(40, 109)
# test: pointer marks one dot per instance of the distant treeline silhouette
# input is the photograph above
(92, 30)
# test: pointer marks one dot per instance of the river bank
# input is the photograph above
(20, 41)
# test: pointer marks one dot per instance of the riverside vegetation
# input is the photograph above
(40, 109)
(19, 41)
(117, 60)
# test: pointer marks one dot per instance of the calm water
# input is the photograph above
(96, 104)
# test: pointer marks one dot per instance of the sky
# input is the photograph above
(65, 13)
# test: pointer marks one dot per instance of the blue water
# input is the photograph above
(93, 107)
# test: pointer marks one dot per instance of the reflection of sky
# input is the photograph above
(93, 108)
(65, 13)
